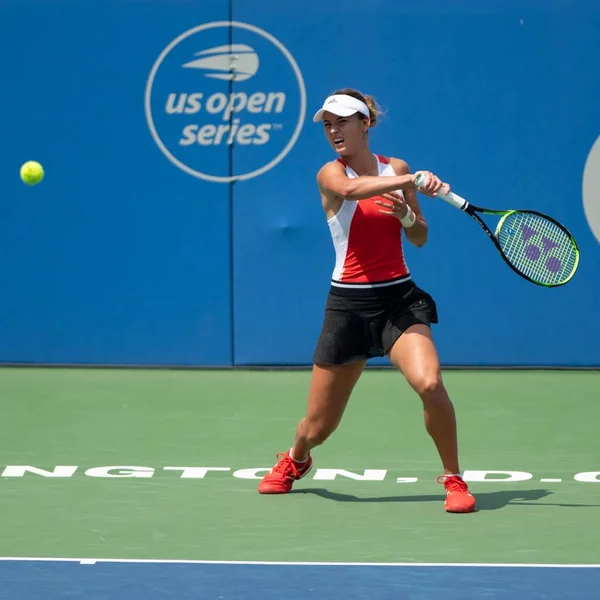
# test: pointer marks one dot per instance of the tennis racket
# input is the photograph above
(534, 245)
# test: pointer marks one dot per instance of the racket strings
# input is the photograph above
(537, 247)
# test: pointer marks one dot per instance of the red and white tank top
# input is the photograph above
(368, 244)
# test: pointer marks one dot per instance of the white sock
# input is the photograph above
(300, 462)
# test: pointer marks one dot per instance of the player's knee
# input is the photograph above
(430, 387)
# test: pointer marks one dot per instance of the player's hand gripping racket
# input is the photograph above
(534, 245)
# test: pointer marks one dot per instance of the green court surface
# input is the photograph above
(167, 425)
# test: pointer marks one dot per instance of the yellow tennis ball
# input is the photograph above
(32, 173)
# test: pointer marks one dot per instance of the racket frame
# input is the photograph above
(472, 210)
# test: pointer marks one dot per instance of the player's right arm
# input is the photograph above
(335, 183)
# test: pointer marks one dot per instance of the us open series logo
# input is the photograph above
(207, 92)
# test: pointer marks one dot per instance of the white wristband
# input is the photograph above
(408, 220)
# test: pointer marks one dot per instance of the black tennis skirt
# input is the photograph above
(362, 323)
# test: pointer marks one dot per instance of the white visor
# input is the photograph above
(342, 106)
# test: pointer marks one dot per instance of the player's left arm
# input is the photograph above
(417, 234)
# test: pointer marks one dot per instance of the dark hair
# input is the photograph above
(374, 111)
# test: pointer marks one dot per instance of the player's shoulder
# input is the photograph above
(336, 163)
(331, 166)
(399, 165)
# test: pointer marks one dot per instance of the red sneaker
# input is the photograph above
(458, 497)
(282, 476)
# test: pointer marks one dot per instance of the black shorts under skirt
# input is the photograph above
(362, 323)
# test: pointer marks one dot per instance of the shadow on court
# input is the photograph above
(485, 500)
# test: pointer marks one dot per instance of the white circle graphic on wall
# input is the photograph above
(591, 189)
(225, 85)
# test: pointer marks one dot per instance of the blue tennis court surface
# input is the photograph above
(28, 579)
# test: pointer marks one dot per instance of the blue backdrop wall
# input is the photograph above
(179, 221)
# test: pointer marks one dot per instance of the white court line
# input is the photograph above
(90, 561)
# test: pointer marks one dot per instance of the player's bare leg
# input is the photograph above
(328, 395)
(415, 355)
(329, 392)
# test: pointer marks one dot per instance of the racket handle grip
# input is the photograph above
(450, 198)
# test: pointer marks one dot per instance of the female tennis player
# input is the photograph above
(373, 307)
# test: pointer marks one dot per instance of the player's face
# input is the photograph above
(345, 134)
